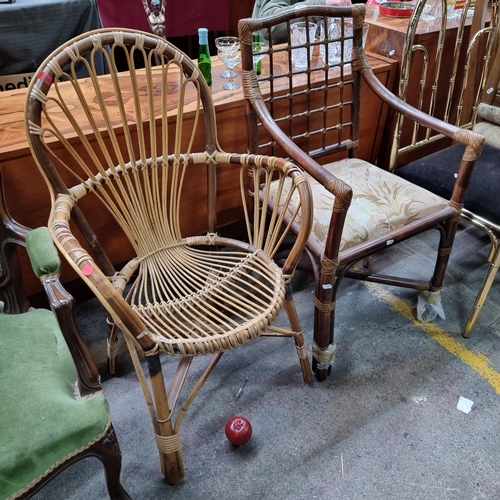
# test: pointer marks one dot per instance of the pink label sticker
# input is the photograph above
(87, 270)
(46, 78)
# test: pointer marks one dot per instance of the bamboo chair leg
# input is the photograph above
(168, 442)
(195, 391)
(298, 336)
(447, 235)
(314, 264)
(172, 460)
(112, 345)
(169, 446)
(483, 293)
(324, 318)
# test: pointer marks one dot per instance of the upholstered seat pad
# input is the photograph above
(437, 172)
(41, 422)
(381, 203)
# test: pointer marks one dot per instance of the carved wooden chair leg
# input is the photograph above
(108, 452)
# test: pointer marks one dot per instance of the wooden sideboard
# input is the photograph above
(28, 199)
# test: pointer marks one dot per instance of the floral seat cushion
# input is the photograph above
(381, 202)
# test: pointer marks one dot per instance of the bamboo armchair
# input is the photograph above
(53, 411)
(461, 86)
(126, 143)
(313, 115)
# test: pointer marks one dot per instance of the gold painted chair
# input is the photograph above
(456, 80)
(312, 115)
(53, 412)
(132, 162)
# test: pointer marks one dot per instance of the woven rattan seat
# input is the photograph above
(207, 311)
(126, 156)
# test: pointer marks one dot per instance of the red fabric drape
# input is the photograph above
(182, 17)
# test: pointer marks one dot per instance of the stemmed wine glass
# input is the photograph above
(221, 45)
(229, 54)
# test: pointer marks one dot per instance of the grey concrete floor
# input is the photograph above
(384, 425)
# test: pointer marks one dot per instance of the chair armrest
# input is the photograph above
(473, 142)
(42, 252)
(456, 133)
(341, 191)
(47, 266)
(273, 204)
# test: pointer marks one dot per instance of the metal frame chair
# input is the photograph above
(470, 77)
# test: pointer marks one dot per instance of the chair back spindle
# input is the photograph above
(445, 81)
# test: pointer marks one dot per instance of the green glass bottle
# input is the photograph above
(204, 61)
(256, 46)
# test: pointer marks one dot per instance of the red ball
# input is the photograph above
(238, 430)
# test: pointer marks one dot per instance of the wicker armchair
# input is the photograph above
(313, 115)
(53, 411)
(123, 147)
(463, 85)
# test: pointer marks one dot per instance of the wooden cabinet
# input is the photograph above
(27, 195)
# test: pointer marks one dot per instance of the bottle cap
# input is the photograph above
(203, 36)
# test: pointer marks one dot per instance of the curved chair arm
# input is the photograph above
(88, 270)
(474, 142)
(12, 234)
(269, 232)
(47, 265)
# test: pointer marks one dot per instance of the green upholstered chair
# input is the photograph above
(52, 408)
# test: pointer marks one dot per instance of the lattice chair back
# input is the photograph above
(447, 79)
(316, 101)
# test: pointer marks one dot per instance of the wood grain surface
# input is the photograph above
(28, 197)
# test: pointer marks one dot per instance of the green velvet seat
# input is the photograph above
(41, 421)
(52, 408)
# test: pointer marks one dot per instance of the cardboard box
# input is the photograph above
(12, 82)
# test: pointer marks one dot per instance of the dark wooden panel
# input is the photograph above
(238, 9)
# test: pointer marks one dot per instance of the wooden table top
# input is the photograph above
(12, 132)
